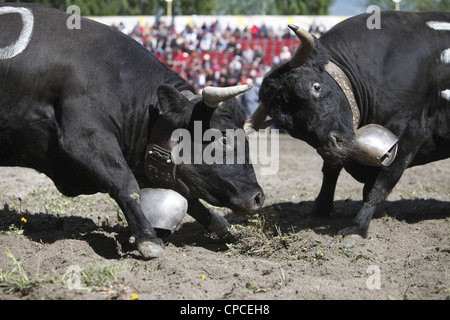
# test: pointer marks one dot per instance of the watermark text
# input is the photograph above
(213, 146)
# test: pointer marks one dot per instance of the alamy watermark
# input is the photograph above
(72, 277)
(216, 147)
(373, 282)
(74, 21)
(374, 21)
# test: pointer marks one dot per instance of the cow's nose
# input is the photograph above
(258, 200)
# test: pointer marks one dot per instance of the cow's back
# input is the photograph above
(94, 72)
(407, 48)
(400, 72)
(95, 52)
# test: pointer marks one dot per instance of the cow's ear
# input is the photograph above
(171, 101)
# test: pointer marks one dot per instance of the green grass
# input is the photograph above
(105, 279)
(261, 236)
(17, 280)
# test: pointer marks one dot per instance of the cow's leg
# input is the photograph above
(212, 222)
(98, 155)
(324, 201)
(142, 233)
(376, 189)
(379, 183)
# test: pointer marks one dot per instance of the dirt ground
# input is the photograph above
(53, 247)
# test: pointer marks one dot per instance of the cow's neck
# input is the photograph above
(160, 167)
(344, 82)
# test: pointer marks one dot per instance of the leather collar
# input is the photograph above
(159, 165)
(344, 82)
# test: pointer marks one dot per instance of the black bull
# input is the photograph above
(82, 105)
(400, 75)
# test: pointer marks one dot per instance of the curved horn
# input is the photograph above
(213, 96)
(304, 50)
(256, 121)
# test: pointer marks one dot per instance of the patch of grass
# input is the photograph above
(17, 280)
(11, 219)
(442, 288)
(103, 279)
(12, 230)
(261, 237)
(319, 253)
(255, 288)
(419, 192)
(46, 199)
(107, 280)
(101, 276)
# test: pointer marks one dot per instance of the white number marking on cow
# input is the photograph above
(446, 94)
(439, 25)
(445, 55)
(25, 35)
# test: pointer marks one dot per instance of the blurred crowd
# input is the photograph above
(216, 55)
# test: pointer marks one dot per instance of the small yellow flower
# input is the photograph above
(68, 201)
(385, 214)
(23, 220)
(134, 296)
(203, 277)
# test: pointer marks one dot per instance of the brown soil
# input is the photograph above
(76, 248)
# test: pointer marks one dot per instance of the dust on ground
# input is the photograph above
(54, 247)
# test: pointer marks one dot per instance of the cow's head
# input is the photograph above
(231, 184)
(306, 101)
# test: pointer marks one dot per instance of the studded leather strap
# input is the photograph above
(159, 166)
(344, 82)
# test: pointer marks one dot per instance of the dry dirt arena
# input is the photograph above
(53, 247)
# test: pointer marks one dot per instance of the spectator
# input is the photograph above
(231, 46)
(248, 55)
(232, 77)
(259, 54)
(285, 54)
(206, 41)
(211, 55)
(250, 99)
(223, 78)
(254, 32)
(210, 79)
(236, 64)
(180, 57)
(237, 50)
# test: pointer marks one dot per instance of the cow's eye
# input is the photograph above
(317, 87)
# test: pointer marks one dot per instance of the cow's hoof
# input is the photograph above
(219, 228)
(149, 247)
(354, 232)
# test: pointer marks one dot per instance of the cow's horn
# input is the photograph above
(214, 96)
(256, 120)
(306, 46)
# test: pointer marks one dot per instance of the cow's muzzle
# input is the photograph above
(335, 150)
(248, 205)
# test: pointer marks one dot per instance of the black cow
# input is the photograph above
(399, 77)
(85, 105)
